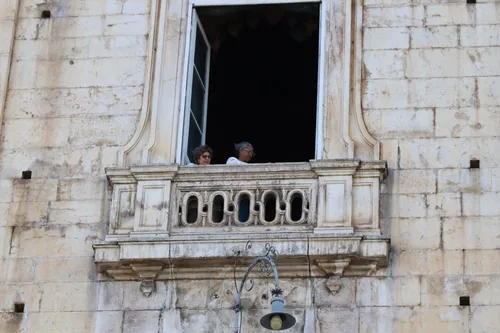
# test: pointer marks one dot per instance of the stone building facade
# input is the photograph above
(392, 226)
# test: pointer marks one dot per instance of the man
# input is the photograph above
(244, 153)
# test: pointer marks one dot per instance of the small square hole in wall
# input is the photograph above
(474, 164)
(19, 307)
(464, 301)
(46, 14)
(471, 1)
(26, 174)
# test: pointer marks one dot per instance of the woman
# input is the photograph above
(244, 153)
(202, 155)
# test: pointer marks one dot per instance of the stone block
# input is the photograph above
(421, 233)
(441, 92)
(29, 294)
(482, 262)
(442, 290)
(141, 321)
(110, 157)
(65, 269)
(485, 319)
(82, 73)
(345, 297)
(428, 262)
(25, 212)
(388, 291)
(109, 322)
(433, 153)
(9, 8)
(489, 91)
(63, 27)
(43, 49)
(136, 7)
(339, 320)
(427, 63)
(50, 162)
(118, 46)
(385, 94)
(34, 190)
(76, 212)
(468, 122)
(463, 14)
(73, 102)
(128, 25)
(4, 213)
(57, 322)
(82, 189)
(6, 188)
(465, 180)
(5, 238)
(4, 68)
(55, 240)
(393, 16)
(110, 296)
(385, 319)
(35, 133)
(411, 206)
(416, 181)
(444, 204)
(384, 64)
(11, 322)
(76, 8)
(428, 37)
(477, 204)
(369, 3)
(6, 36)
(386, 38)
(133, 299)
(471, 233)
(17, 270)
(480, 61)
(102, 130)
(69, 296)
(480, 35)
(389, 206)
(403, 123)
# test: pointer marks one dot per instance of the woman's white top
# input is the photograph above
(234, 160)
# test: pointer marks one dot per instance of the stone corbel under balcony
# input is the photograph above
(322, 217)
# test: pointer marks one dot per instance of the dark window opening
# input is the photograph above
(192, 210)
(296, 209)
(270, 207)
(262, 82)
(244, 208)
(218, 209)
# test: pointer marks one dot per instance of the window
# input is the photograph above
(252, 75)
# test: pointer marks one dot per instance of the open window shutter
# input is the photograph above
(197, 90)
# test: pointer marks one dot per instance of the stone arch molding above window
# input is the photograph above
(340, 132)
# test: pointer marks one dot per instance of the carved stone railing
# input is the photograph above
(157, 210)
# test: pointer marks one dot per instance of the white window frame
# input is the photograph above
(189, 45)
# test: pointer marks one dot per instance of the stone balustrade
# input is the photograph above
(165, 216)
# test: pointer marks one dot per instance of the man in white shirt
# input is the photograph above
(244, 153)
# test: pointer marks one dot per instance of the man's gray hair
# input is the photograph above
(240, 146)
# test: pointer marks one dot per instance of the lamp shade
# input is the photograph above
(277, 320)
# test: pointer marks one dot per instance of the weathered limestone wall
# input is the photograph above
(431, 94)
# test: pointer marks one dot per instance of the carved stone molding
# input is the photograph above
(212, 256)
(333, 284)
(147, 287)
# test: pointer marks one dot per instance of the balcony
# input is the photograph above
(172, 222)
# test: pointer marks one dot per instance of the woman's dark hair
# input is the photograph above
(200, 150)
